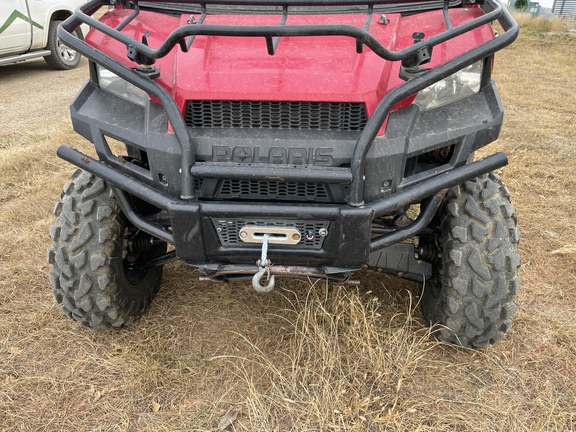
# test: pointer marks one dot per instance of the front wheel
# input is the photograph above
(61, 57)
(470, 299)
(98, 258)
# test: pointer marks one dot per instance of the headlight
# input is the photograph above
(463, 83)
(117, 86)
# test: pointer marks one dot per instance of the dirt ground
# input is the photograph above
(34, 97)
(305, 357)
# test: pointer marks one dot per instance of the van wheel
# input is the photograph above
(61, 57)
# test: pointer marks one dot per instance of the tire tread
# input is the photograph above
(479, 272)
(87, 281)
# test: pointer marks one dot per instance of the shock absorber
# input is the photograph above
(427, 252)
(142, 242)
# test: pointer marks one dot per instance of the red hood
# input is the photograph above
(323, 69)
(304, 68)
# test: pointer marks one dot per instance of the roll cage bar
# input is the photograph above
(184, 35)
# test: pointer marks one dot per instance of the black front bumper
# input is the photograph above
(462, 126)
(349, 242)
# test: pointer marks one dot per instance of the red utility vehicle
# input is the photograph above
(293, 138)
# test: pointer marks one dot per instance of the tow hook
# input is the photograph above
(263, 268)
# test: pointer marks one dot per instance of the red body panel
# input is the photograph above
(326, 69)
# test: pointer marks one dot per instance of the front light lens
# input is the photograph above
(464, 83)
(112, 83)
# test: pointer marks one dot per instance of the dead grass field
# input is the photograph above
(305, 357)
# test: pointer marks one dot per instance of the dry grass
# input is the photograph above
(540, 24)
(344, 366)
(305, 357)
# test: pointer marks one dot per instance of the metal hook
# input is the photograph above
(258, 277)
(264, 267)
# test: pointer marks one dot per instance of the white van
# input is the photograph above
(28, 30)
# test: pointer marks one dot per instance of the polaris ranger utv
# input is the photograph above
(289, 138)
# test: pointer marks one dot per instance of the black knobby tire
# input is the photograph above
(471, 299)
(61, 57)
(93, 278)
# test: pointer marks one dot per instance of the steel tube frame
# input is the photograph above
(407, 196)
(178, 36)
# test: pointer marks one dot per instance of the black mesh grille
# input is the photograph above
(342, 116)
(254, 189)
(198, 184)
(311, 231)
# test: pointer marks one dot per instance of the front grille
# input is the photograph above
(338, 116)
(273, 190)
(313, 232)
